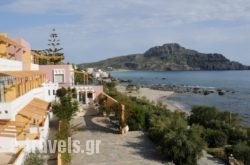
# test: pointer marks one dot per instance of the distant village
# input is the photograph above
(97, 73)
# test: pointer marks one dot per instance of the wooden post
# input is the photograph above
(84, 83)
(87, 79)
(122, 118)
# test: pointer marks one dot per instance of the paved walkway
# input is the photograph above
(115, 149)
(208, 159)
(52, 157)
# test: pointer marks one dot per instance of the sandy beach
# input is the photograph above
(152, 95)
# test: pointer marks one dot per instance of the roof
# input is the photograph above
(9, 41)
(37, 109)
(44, 56)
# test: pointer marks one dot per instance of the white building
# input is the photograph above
(24, 101)
(26, 90)
(98, 73)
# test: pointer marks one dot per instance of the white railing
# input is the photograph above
(7, 144)
(20, 159)
(50, 89)
(10, 65)
(23, 100)
(34, 66)
(5, 111)
(45, 128)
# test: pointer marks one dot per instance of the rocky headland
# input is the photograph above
(170, 56)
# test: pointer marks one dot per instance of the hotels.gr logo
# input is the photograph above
(71, 146)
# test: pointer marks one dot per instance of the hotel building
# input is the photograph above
(26, 90)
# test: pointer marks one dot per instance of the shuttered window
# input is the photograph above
(59, 78)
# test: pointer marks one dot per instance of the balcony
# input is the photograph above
(10, 109)
(10, 65)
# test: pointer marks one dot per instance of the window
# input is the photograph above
(90, 95)
(49, 92)
(54, 92)
(59, 75)
(59, 78)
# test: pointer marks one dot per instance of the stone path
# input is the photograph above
(52, 157)
(115, 149)
(208, 159)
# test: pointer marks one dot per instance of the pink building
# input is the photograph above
(64, 76)
(61, 74)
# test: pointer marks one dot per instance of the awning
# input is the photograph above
(36, 109)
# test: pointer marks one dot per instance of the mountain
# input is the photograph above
(169, 57)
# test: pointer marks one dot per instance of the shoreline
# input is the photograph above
(154, 96)
(121, 70)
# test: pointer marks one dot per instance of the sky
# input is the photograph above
(92, 30)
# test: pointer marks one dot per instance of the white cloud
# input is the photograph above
(192, 10)
(38, 7)
(111, 27)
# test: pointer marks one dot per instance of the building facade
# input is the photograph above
(64, 76)
(24, 101)
(26, 90)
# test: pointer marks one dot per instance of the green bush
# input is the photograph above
(203, 115)
(211, 117)
(183, 146)
(34, 158)
(61, 92)
(215, 138)
(236, 135)
(241, 151)
(136, 119)
(158, 125)
(66, 108)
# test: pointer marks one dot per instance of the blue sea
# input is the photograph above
(237, 81)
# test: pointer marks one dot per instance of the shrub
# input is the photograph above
(236, 135)
(65, 109)
(34, 158)
(210, 117)
(183, 146)
(215, 138)
(203, 115)
(136, 119)
(61, 92)
(241, 151)
(157, 127)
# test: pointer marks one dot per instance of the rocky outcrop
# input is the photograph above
(170, 57)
